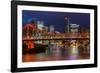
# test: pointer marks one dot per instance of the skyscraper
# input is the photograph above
(67, 25)
(51, 28)
(40, 25)
(74, 28)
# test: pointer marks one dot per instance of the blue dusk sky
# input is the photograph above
(56, 18)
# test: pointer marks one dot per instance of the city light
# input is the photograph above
(46, 43)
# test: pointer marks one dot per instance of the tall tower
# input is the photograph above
(40, 25)
(67, 25)
(51, 28)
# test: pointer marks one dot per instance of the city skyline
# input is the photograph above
(55, 44)
(57, 19)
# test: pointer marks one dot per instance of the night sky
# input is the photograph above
(56, 18)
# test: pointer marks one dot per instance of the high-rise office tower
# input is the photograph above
(51, 28)
(40, 25)
(74, 28)
(67, 25)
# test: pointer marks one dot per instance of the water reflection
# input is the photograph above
(56, 50)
